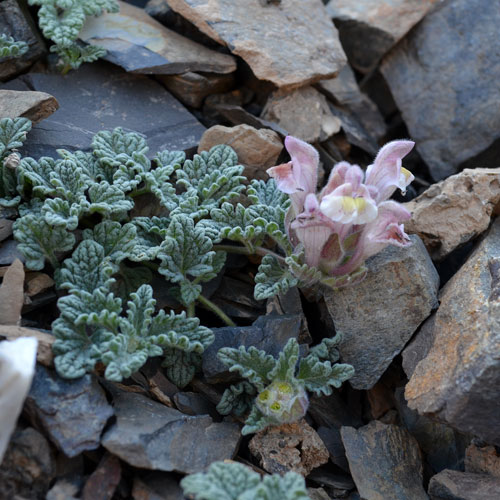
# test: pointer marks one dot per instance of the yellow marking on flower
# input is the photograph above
(407, 174)
(264, 396)
(348, 204)
(360, 204)
(275, 406)
(285, 388)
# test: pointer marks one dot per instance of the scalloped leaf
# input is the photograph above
(272, 279)
(237, 399)
(180, 366)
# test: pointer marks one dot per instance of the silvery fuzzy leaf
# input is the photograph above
(284, 368)
(13, 133)
(108, 200)
(272, 279)
(59, 212)
(12, 48)
(237, 399)
(181, 366)
(38, 241)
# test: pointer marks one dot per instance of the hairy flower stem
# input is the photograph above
(245, 251)
(208, 304)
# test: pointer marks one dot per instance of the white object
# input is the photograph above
(17, 367)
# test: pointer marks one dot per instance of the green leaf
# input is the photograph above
(215, 175)
(291, 486)
(272, 279)
(158, 182)
(108, 200)
(222, 481)
(12, 48)
(170, 159)
(38, 174)
(86, 270)
(327, 350)
(181, 366)
(130, 279)
(284, 368)
(320, 376)
(256, 422)
(62, 27)
(252, 364)
(117, 240)
(39, 241)
(186, 252)
(266, 193)
(75, 351)
(75, 54)
(237, 399)
(13, 133)
(59, 212)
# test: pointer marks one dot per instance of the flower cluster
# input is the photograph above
(351, 218)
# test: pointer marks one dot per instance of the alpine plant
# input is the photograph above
(351, 218)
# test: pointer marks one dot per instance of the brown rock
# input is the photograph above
(33, 105)
(103, 481)
(368, 29)
(457, 380)
(140, 44)
(483, 460)
(45, 340)
(381, 399)
(344, 90)
(5, 228)
(455, 210)
(289, 447)
(455, 485)
(384, 461)
(12, 294)
(303, 113)
(192, 88)
(257, 150)
(37, 283)
(265, 35)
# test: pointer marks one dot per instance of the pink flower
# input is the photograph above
(349, 219)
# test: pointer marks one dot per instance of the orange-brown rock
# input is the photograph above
(289, 447)
(483, 460)
(455, 210)
(265, 35)
(27, 104)
(458, 378)
(303, 113)
(257, 150)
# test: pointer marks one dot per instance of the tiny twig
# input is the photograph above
(208, 304)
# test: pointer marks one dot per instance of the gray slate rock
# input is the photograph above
(265, 35)
(384, 461)
(16, 22)
(28, 466)
(442, 447)
(457, 85)
(72, 412)
(100, 96)
(379, 316)
(156, 486)
(140, 44)
(457, 381)
(455, 485)
(9, 253)
(150, 435)
(368, 29)
(268, 333)
(194, 403)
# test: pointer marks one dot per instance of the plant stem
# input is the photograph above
(208, 304)
(245, 251)
(190, 310)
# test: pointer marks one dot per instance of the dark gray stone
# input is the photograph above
(333, 412)
(153, 436)
(442, 447)
(16, 22)
(268, 333)
(384, 461)
(9, 253)
(72, 412)
(333, 442)
(140, 44)
(28, 466)
(456, 85)
(337, 485)
(344, 90)
(156, 486)
(455, 485)
(100, 96)
(193, 403)
(457, 381)
(379, 316)
(368, 29)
